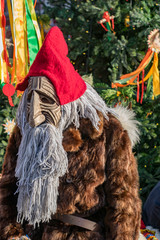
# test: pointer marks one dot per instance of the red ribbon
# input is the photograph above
(107, 18)
(112, 23)
(142, 86)
(104, 27)
(138, 88)
(7, 89)
(4, 54)
(35, 3)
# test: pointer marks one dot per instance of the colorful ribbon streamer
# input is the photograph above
(27, 41)
(33, 43)
(133, 78)
(7, 89)
(107, 19)
(12, 70)
(34, 20)
(20, 40)
(3, 53)
(156, 82)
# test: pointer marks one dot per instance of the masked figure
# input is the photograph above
(69, 171)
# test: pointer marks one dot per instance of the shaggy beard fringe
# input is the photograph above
(41, 161)
(42, 158)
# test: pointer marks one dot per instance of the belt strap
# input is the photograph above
(78, 221)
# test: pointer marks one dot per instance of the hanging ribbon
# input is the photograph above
(1, 59)
(156, 81)
(152, 53)
(42, 30)
(23, 20)
(20, 40)
(10, 17)
(107, 19)
(34, 20)
(7, 89)
(138, 88)
(128, 79)
(12, 70)
(33, 43)
(3, 53)
(35, 3)
(112, 23)
(142, 86)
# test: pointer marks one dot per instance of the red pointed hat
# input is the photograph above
(52, 62)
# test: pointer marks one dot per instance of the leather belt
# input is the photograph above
(78, 221)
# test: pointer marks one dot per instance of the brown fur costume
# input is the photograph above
(101, 185)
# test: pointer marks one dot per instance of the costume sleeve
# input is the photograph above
(123, 211)
(8, 198)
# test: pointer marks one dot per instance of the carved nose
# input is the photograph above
(35, 116)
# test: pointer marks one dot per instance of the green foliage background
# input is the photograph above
(6, 112)
(103, 57)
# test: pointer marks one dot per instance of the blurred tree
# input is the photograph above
(7, 112)
(92, 49)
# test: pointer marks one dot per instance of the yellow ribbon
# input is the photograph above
(19, 27)
(1, 58)
(156, 82)
(10, 17)
(1, 64)
(42, 30)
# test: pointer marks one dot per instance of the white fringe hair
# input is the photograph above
(129, 123)
(42, 158)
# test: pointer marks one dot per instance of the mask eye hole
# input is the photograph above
(47, 100)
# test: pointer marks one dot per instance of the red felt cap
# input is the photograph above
(52, 62)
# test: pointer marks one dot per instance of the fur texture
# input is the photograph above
(127, 118)
(101, 184)
(8, 187)
(72, 140)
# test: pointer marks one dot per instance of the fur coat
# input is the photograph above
(101, 185)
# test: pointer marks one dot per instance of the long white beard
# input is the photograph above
(42, 158)
(41, 161)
